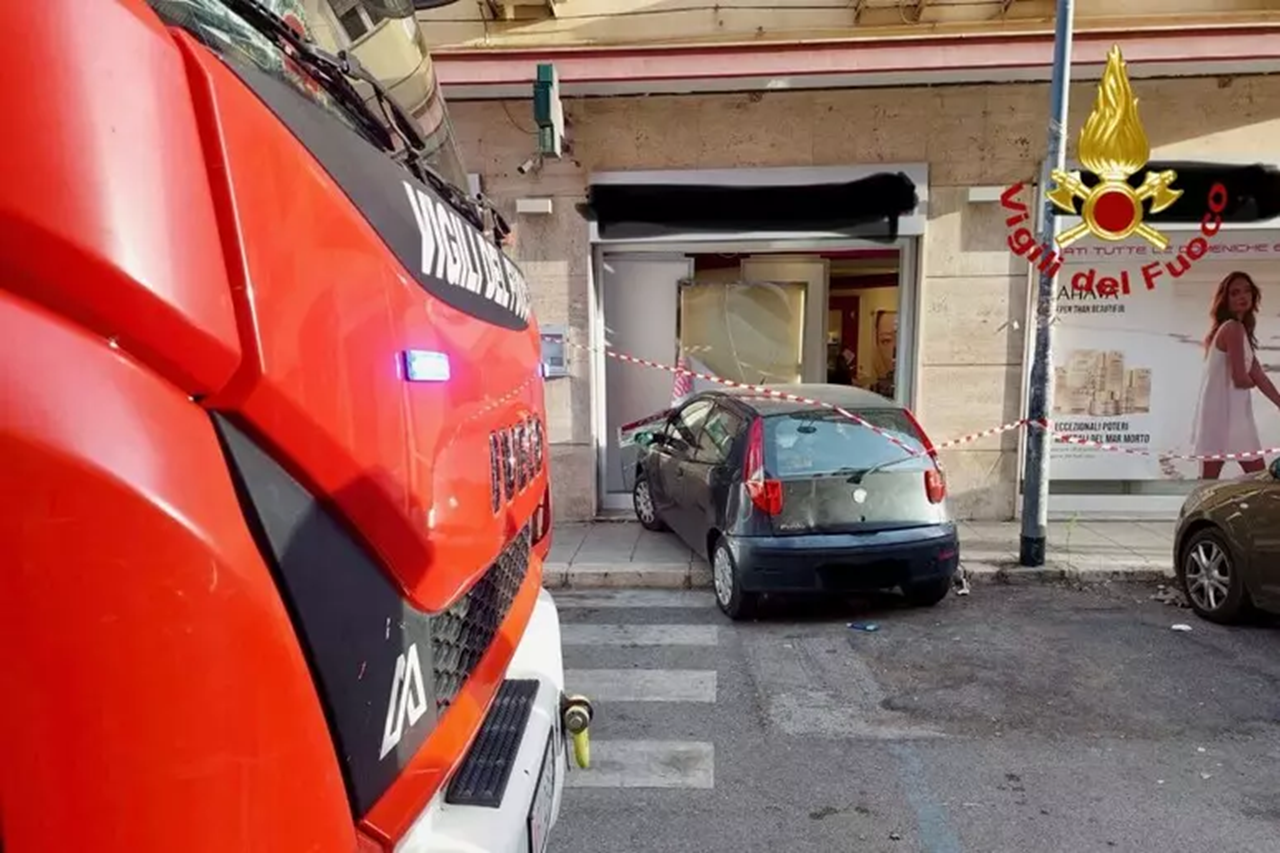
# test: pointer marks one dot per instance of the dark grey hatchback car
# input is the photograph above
(785, 496)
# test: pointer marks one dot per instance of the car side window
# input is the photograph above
(718, 433)
(682, 432)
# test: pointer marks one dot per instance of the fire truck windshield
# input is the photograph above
(280, 45)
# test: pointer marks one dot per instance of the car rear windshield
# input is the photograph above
(824, 442)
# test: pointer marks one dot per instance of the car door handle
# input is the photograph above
(679, 470)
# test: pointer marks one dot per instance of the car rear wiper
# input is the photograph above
(331, 72)
(856, 476)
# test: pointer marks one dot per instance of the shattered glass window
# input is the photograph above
(823, 442)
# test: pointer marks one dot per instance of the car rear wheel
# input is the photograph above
(1211, 579)
(927, 593)
(730, 597)
(642, 498)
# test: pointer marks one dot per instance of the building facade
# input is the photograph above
(954, 96)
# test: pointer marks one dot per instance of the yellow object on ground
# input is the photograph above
(582, 749)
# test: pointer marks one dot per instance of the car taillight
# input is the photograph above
(920, 433)
(753, 464)
(935, 485)
(766, 495)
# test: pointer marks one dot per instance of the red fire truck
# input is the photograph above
(273, 461)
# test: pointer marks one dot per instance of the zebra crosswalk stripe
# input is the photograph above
(591, 639)
(643, 685)
(639, 635)
(636, 598)
(647, 764)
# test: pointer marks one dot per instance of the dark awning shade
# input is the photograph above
(1253, 192)
(867, 208)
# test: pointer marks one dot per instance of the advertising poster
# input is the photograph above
(1130, 363)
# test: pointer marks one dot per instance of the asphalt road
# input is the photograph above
(1016, 720)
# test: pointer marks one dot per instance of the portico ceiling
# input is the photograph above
(474, 74)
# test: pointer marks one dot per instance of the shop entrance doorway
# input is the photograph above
(863, 307)
(767, 319)
(841, 314)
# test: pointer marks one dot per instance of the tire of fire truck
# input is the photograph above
(731, 598)
(642, 499)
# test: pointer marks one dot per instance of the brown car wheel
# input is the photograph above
(1210, 577)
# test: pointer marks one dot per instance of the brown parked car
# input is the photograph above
(1227, 546)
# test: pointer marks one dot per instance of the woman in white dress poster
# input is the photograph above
(1224, 416)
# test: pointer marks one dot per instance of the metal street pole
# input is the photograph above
(1035, 487)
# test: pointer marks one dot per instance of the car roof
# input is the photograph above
(844, 396)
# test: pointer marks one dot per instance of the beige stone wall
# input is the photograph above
(973, 291)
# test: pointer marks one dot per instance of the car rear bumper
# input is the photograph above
(449, 827)
(846, 562)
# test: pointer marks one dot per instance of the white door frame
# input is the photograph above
(906, 374)
(597, 337)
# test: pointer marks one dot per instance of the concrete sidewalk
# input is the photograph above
(624, 554)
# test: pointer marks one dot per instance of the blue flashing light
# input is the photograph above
(426, 366)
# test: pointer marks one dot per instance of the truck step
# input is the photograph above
(482, 778)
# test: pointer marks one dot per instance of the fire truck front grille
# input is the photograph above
(461, 635)
(482, 778)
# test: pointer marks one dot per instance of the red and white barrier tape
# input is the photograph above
(945, 445)
(986, 433)
(763, 391)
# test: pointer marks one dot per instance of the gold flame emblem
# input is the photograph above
(1113, 145)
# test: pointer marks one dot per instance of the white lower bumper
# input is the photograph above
(445, 828)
